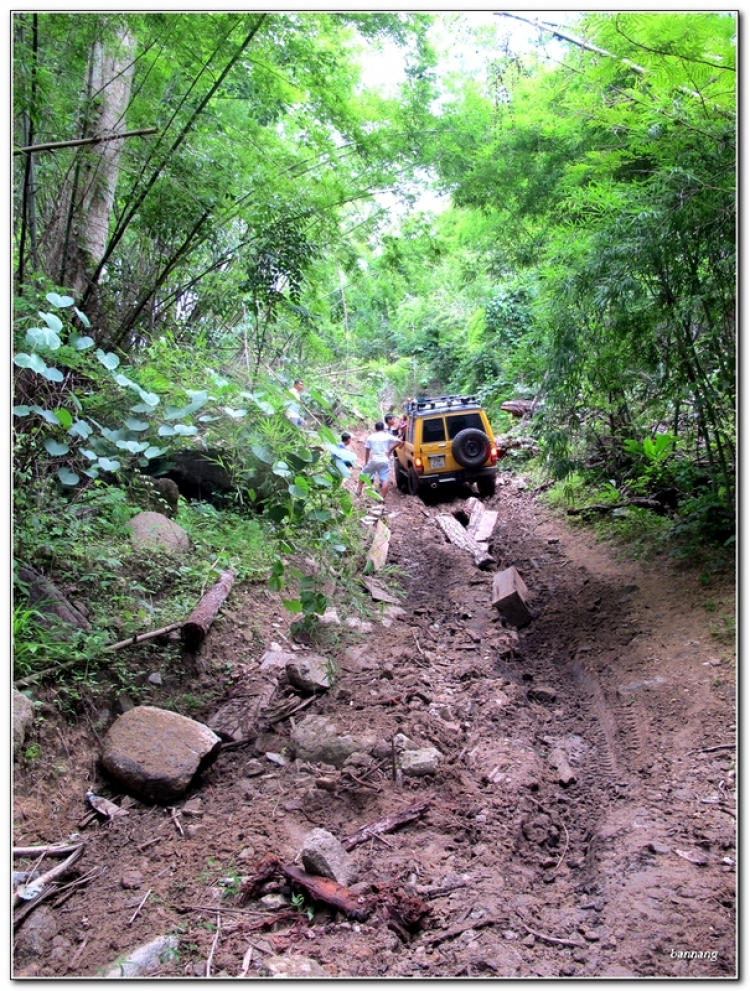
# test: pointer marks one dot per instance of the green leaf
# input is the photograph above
(165, 431)
(109, 360)
(134, 446)
(154, 452)
(275, 584)
(184, 430)
(281, 468)
(53, 374)
(52, 320)
(64, 418)
(60, 301)
(126, 382)
(68, 477)
(293, 605)
(82, 317)
(136, 425)
(32, 361)
(108, 465)
(43, 337)
(92, 472)
(21, 410)
(81, 343)
(263, 454)
(46, 414)
(81, 429)
(298, 493)
(55, 448)
(91, 455)
(236, 414)
(150, 398)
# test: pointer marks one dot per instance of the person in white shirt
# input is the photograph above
(378, 447)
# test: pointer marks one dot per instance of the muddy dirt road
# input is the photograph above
(581, 821)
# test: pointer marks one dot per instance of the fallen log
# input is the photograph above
(640, 502)
(328, 891)
(387, 825)
(461, 538)
(49, 600)
(519, 407)
(198, 623)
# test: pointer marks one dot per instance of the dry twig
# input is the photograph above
(213, 945)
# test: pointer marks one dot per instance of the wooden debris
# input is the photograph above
(198, 623)
(105, 807)
(133, 917)
(463, 539)
(40, 886)
(389, 824)
(379, 593)
(555, 940)
(378, 552)
(318, 889)
(509, 597)
(481, 521)
(490, 920)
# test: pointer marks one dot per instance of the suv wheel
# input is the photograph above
(413, 482)
(402, 479)
(486, 486)
(471, 448)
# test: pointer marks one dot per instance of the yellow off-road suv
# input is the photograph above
(448, 439)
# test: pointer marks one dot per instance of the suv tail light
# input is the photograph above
(418, 465)
(493, 454)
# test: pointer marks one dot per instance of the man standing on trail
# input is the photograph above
(378, 447)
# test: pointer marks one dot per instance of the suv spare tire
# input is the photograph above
(471, 447)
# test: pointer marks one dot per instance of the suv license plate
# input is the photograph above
(437, 462)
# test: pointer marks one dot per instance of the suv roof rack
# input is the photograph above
(440, 402)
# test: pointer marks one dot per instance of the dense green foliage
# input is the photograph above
(258, 222)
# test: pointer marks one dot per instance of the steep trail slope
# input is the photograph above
(617, 683)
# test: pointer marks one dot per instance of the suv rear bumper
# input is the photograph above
(428, 481)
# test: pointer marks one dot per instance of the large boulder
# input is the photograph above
(156, 754)
(158, 494)
(157, 532)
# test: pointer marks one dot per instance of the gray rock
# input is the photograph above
(151, 530)
(417, 763)
(317, 738)
(309, 673)
(156, 754)
(145, 959)
(23, 717)
(276, 660)
(322, 854)
(291, 966)
(37, 933)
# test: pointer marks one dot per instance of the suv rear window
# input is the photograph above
(433, 431)
(462, 422)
